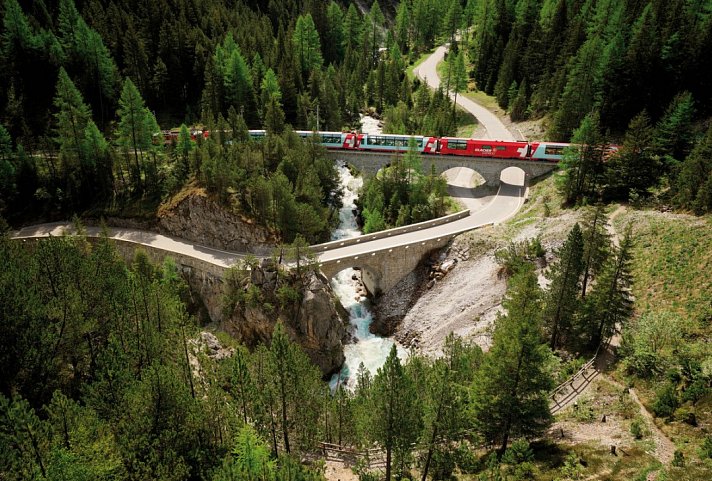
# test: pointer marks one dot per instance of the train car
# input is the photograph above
(397, 143)
(549, 151)
(258, 135)
(330, 140)
(483, 148)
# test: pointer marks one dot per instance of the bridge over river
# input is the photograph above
(384, 257)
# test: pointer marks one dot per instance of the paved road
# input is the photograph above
(151, 239)
(495, 128)
(504, 205)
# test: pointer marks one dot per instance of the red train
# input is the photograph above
(540, 151)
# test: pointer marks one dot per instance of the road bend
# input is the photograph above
(427, 71)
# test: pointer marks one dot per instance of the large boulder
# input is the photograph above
(316, 321)
(194, 216)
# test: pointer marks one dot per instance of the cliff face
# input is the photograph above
(195, 217)
(312, 315)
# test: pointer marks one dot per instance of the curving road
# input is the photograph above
(135, 236)
(427, 71)
(505, 204)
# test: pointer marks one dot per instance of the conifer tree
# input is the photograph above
(444, 411)
(561, 301)
(610, 304)
(692, 184)
(459, 79)
(633, 169)
(510, 390)
(133, 135)
(581, 167)
(395, 415)
(71, 119)
(675, 131)
(596, 244)
(307, 44)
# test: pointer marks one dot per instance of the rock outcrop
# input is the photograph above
(260, 298)
(194, 216)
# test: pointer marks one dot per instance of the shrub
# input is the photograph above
(686, 415)
(518, 452)
(666, 401)
(706, 448)
(637, 427)
(678, 459)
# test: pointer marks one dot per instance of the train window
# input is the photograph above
(486, 147)
(553, 150)
(457, 144)
(331, 139)
(501, 147)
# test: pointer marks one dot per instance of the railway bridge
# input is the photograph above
(384, 257)
(488, 167)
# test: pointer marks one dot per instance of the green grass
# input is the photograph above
(421, 59)
(672, 262)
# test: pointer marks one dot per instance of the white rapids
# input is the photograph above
(369, 349)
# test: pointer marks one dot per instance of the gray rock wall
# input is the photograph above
(199, 219)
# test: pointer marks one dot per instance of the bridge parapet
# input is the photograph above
(382, 269)
(327, 246)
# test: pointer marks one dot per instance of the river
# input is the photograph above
(368, 348)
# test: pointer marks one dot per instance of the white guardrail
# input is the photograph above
(384, 234)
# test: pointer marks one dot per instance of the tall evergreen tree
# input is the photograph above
(596, 244)
(395, 415)
(633, 169)
(510, 391)
(562, 303)
(133, 134)
(582, 165)
(610, 304)
(307, 44)
(693, 183)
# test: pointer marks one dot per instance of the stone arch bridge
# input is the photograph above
(489, 168)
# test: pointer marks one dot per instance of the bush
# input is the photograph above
(643, 363)
(706, 448)
(666, 401)
(466, 460)
(637, 427)
(518, 452)
(678, 459)
(686, 415)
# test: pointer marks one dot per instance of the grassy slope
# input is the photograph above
(671, 270)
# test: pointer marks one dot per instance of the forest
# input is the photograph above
(103, 374)
(108, 382)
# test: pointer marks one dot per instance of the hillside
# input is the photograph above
(672, 255)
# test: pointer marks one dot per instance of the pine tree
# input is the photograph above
(582, 89)
(633, 169)
(307, 45)
(582, 165)
(445, 414)
(675, 131)
(510, 390)
(395, 415)
(71, 119)
(402, 26)
(334, 41)
(564, 276)
(596, 244)
(459, 78)
(23, 439)
(131, 135)
(692, 184)
(610, 304)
